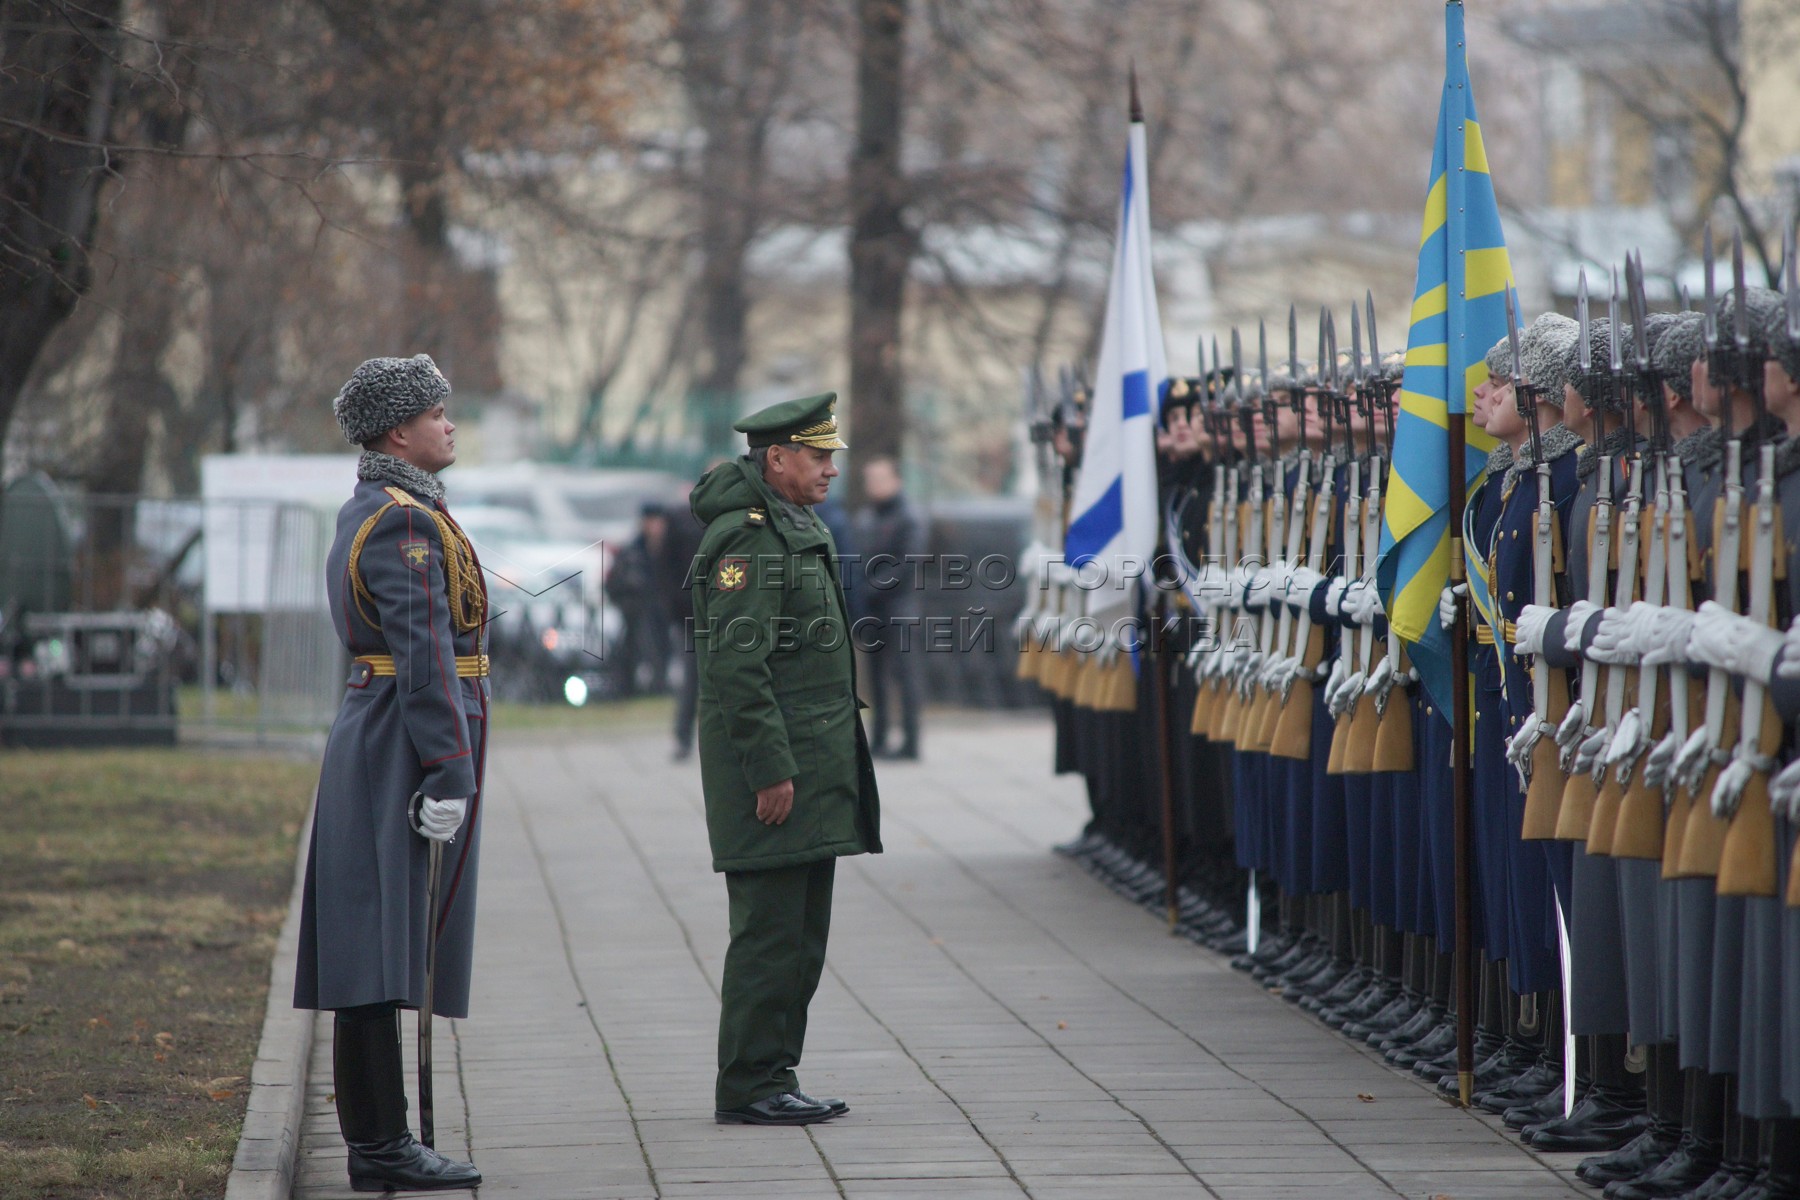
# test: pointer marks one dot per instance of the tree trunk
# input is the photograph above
(881, 247)
(61, 84)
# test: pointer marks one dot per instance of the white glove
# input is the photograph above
(1277, 575)
(1380, 679)
(1334, 680)
(1347, 694)
(1627, 739)
(1661, 761)
(1243, 583)
(1661, 640)
(1590, 756)
(438, 820)
(1610, 632)
(1728, 789)
(1528, 637)
(1362, 604)
(1214, 581)
(1519, 747)
(1691, 759)
(1447, 605)
(1789, 666)
(1738, 645)
(1580, 613)
(1568, 732)
(1334, 594)
(1784, 791)
(1300, 587)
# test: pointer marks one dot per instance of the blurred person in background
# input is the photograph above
(638, 585)
(682, 544)
(891, 537)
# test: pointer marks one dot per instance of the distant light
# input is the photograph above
(575, 691)
(550, 639)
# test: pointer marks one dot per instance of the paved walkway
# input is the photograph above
(1002, 1025)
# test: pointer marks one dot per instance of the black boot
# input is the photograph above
(1609, 1115)
(1668, 1093)
(371, 1105)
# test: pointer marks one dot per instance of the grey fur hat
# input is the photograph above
(1673, 353)
(1598, 391)
(385, 392)
(1547, 353)
(1772, 325)
(1499, 359)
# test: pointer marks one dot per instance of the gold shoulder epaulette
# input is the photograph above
(756, 516)
(402, 497)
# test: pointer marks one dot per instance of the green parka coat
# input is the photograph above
(777, 680)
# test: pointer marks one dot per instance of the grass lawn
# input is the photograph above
(140, 896)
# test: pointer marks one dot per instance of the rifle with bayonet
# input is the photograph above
(1575, 810)
(1534, 754)
(1620, 679)
(1313, 498)
(1282, 549)
(1394, 737)
(1365, 717)
(1701, 836)
(1636, 831)
(1341, 698)
(1747, 864)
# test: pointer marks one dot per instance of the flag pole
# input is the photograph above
(1156, 655)
(1461, 776)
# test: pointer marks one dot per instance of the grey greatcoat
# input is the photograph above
(422, 729)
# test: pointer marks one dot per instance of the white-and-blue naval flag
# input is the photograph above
(1114, 522)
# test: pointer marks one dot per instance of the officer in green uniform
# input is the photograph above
(783, 759)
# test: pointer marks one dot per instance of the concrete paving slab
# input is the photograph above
(1002, 1025)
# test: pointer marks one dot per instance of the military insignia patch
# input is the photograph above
(416, 552)
(756, 516)
(732, 575)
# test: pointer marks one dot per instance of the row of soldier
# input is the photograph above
(1635, 787)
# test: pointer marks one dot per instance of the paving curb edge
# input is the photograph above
(263, 1167)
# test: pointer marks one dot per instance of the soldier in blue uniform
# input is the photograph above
(403, 767)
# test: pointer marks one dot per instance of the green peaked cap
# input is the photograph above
(808, 421)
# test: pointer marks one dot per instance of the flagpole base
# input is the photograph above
(1465, 1088)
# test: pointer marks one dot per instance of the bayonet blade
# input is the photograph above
(1512, 337)
(1331, 348)
(1374, 346)
(1356, 360)
(1611, 330)
(1740, 311)
(1790, 285)
(1640, 309)
(1262, 358)
(1712, 297)
(1586, 347)
(1294, 348)
(1237, 366)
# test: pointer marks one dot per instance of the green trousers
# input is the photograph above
(780, 920)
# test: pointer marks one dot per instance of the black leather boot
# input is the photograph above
(1690, 1164)
(1547, 1107)
(1668, 1092)
(1610, 1114)
(1543, 1076)
(371, 1105)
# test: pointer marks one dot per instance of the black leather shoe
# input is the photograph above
(1526, 1089)
(1690, 1165)
(787, 1108)
(1634, 1159)
(1602, 1121)
(1547, 1107)
(402, 1164)
(1732, 1181)
(838, 1107)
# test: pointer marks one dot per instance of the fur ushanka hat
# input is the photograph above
(385, 392)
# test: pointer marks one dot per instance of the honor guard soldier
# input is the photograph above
(401, 781)
(784, 763)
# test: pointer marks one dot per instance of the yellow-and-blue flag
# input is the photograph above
(1458, 312)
